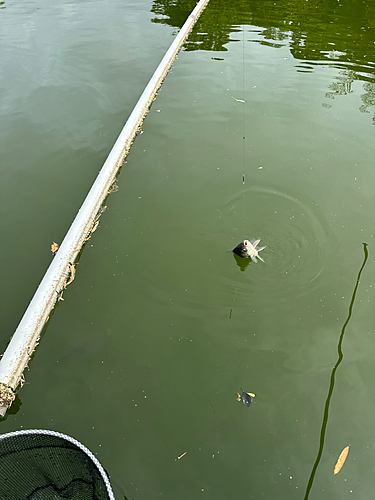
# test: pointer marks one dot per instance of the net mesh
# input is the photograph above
(47, 465)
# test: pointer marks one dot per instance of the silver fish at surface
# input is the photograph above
(248, 250)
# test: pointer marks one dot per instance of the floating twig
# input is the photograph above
(238, 100)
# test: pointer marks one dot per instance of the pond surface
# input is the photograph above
(264, 128)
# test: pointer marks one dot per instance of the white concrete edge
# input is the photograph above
(26, 336)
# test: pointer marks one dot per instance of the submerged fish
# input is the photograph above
(248, 249)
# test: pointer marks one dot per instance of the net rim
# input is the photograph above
(71, 440)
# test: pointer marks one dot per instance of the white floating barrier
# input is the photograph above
(27, 334)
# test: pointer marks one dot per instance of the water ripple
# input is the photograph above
(296, 235)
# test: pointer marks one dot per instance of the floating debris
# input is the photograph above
(95, 224)
(178, 458)
(7, 395)
(341, 460)
(245, 397)
(113, 187)
(238, 100)
(54, 247)
(72, 271)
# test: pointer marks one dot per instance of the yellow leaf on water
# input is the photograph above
(341, 460)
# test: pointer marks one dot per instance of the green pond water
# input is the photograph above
(162, 325)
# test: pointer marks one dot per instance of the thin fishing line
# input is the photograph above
(243, 125)
(234, 301)
(243, 152)
(243, 94)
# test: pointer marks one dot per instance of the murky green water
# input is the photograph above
(162, 325)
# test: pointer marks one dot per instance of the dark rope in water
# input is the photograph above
(332, 379)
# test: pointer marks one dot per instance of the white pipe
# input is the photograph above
(28, 332)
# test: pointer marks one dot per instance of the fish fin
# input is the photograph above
(254, 242)
(261, 248)
(254, 259)
(260, 258)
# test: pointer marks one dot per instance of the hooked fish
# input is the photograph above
(248, 249)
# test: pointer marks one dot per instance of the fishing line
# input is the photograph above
(234, 300)
(332, 378)
(243, 103)
(243, 123)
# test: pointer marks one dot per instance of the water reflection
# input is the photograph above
(332, 378)
(318, 33)
(295, 232)
(241, 263)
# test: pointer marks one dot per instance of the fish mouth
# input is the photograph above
(247, 249)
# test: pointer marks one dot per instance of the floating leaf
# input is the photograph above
(54, 248)
(341, 460)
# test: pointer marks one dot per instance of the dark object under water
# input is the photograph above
(245, 397)
(248, 249)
